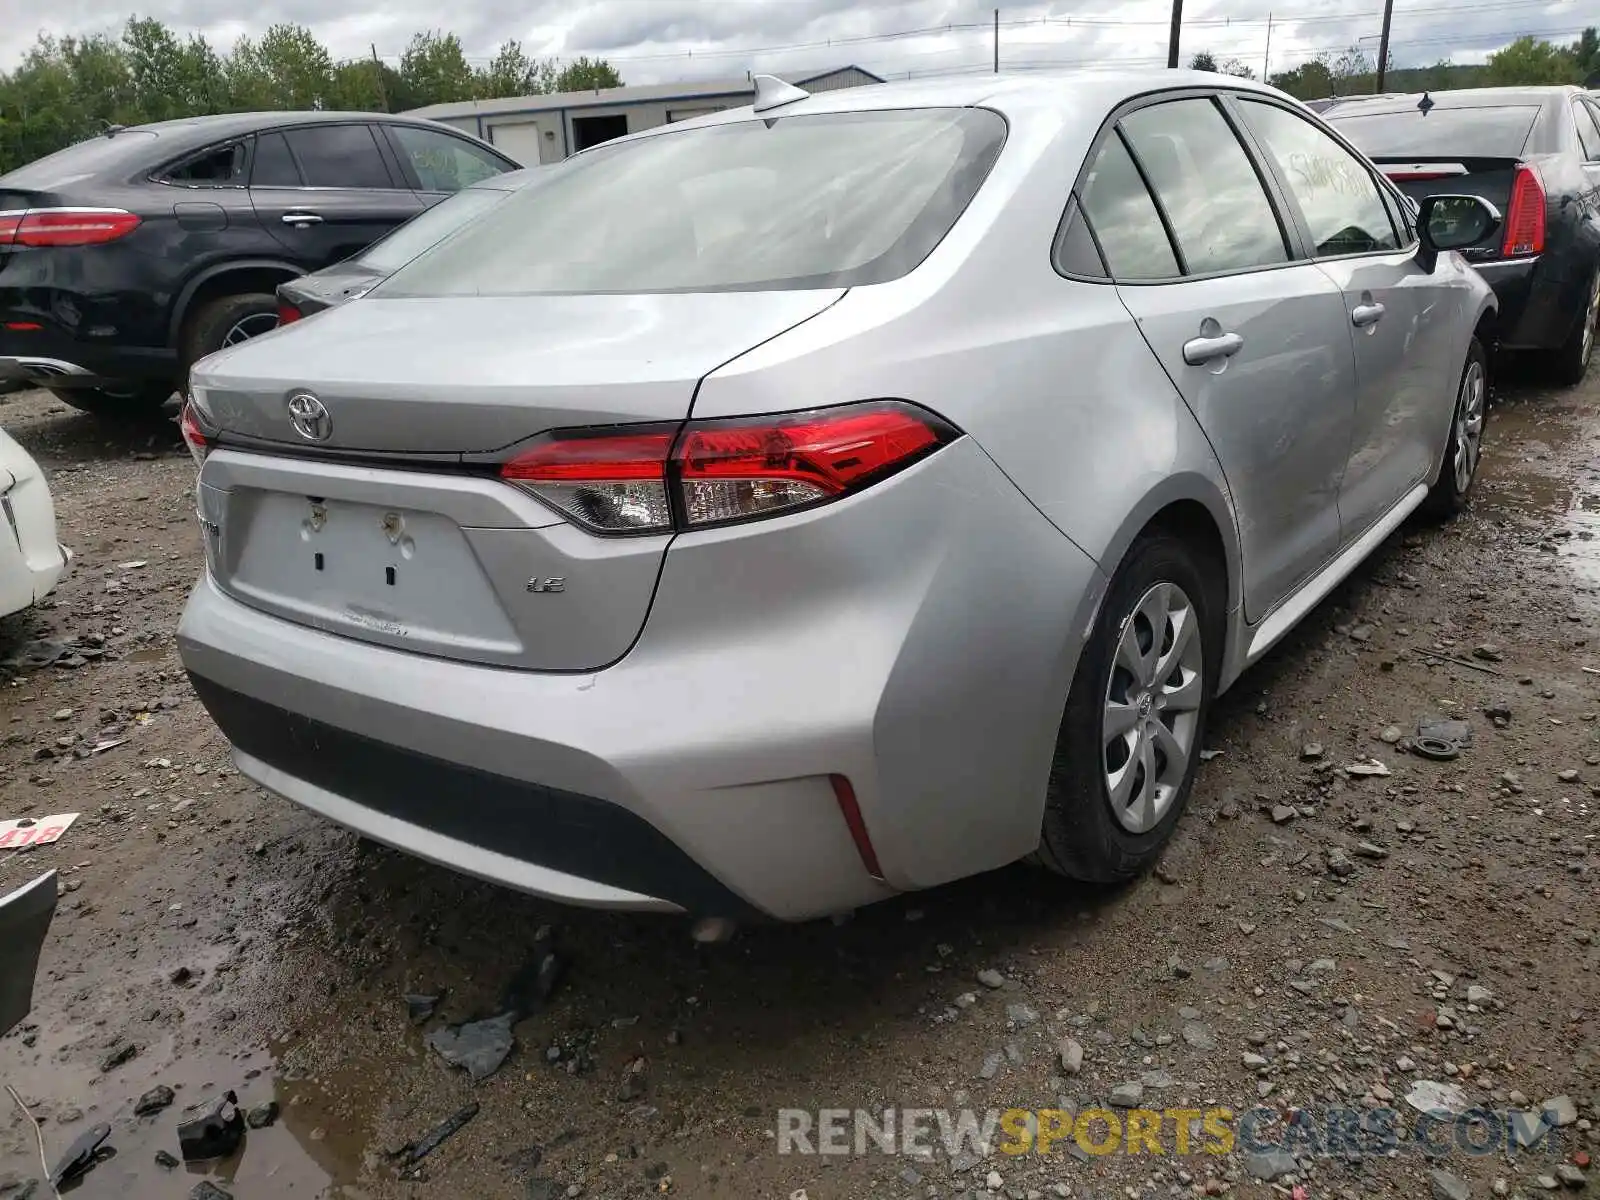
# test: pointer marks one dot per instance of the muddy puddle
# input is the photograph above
(1541, 479)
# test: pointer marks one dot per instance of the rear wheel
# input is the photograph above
(1571, 361)
(227, 321)
(1464, 450)
(1130, 740)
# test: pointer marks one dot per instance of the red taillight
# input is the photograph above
(24, 326)
(712, 472)
(193, 435)
(288, 314)
(731, 470)
(66, 226)
(1525, 220)
(611, 482)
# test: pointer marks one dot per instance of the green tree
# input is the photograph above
(1237, 69)
(584, 74)
(1311, 80)
(1203, 61)
(434, 70)
(358, 85)
(1531, 60)
(513, 73)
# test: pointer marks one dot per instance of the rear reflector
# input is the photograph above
(845, 794)
(643, 480)
(1525, 220)
(66, 226)
(288, 314)
(193, 435)
(23, 326)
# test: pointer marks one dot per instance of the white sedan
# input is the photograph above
(31, 560)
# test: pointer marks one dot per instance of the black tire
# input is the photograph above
(209, 327)
(1082, 838)
(140, 402)
(1449, 494)
(1570, 363)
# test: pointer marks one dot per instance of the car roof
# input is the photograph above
(1021, 89)
(177, 137)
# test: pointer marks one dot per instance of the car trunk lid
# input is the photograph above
(471, 374)
(387, 535)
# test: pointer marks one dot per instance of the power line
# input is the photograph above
(1087, 22)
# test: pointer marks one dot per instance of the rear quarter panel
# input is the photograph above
(1055, 386)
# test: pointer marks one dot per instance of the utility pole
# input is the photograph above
(997, 41)
(1172, 42)
(377, 66)
(1266, 58)
(1383, 43)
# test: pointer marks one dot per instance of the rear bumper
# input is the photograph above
(1537, 307)
(46, 358)
(917, 639)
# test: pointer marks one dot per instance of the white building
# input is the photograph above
(544, 129)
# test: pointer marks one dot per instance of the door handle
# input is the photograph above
(1201, 350)
(301, 218)
(1363, 315)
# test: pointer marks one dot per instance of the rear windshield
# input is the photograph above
(1498, 132)
(428, 228)
(129, 148)
(820, 201)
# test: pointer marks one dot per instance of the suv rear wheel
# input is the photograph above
(227, 321)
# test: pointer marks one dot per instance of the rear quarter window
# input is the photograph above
(1499, 131)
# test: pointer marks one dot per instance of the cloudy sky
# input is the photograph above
(664, 40)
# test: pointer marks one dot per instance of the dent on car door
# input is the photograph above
(327, 191)
(1252, 339)
(1404, 322)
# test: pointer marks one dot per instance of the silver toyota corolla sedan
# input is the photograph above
(809, 503)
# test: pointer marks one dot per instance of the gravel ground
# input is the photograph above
(1315, 936)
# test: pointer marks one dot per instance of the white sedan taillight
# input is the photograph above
(650, 480)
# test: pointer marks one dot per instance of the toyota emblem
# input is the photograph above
(309, 417)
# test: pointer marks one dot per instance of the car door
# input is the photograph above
(439, 164)
(1587, 114)
(327, 191)
(1253, 338)
(1403, 324)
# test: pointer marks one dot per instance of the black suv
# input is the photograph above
(125, 258)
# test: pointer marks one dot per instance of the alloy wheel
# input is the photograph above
(1591, 319)
(246, 328)
(1469, 424)
(1152, 707)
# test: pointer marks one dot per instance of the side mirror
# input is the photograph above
(1454, 222)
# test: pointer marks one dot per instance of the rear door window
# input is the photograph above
(1206, 185)
(273, 166)
(1124, 217)
(339, 156)
(1440, 133)
(1335, 190)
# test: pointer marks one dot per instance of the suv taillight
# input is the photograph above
(65, 226)
(194, 435)
(1525, 220)
(653, 479)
